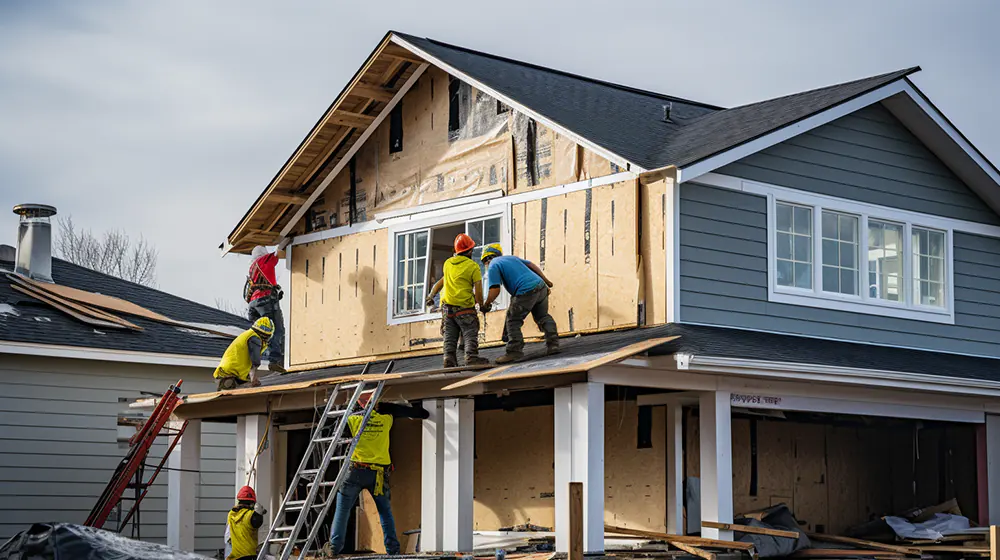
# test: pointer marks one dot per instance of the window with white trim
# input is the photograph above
(855, 257)
(419, 254)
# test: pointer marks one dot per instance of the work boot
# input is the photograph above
(510, 357)
(450, 361)
(552, 349)
(276, 367)
(476, 361)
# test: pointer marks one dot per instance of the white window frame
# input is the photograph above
(455, 218)
(863, 302)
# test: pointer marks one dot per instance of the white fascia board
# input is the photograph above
(431, 206)
(354, 148)
(712, 163)
(429, 213)
(79, 353)
(845, 205)
(606, 154)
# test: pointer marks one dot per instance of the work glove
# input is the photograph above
(486, 307)
(429, 302)
(260, 509)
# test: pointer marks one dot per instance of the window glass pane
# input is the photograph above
(491, 231)
(935, 244)
(802, 220)
(784, 249)
(847, 257)
(831, 279)
(829, 225)
(794, 245)
(784, 217)
(849, 228)
(421, 271)
(830, 253)
(803, 275)
(475, 231)
(848, 281)
(884, 261)
(784, 270)
(802, 248)
(928, 247)
(420, 245)
(840, 264)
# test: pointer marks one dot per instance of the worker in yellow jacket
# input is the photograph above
(240, 362)
(242, 524)
(370, 468)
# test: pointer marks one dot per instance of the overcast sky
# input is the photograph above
(167, 119)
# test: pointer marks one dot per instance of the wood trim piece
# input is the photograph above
(373, 92)
(750, 529)
(354, 120)
(288, 197)
(671, 539)
(909, 551)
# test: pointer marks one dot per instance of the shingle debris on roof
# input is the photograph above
(35, 322)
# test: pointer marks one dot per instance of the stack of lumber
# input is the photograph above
(977, 542)
(695, 546)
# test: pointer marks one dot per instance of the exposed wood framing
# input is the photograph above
(750, 529)
(355, 120)
(288, 197)
(374, 92)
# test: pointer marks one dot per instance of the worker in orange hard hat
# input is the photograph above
(463, 290)
(242, 524)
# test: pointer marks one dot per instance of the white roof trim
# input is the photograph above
(607, 154)
(81, 353)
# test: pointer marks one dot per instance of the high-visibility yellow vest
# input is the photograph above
(236, 361)
(240, 535)
(373, 445)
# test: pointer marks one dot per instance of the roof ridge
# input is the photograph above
(606, 83)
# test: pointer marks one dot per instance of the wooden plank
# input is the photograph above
(575, 521)
(750, 529)
(994, 543)
(61, 306)
(398, 52)
(844, 553)
(952, 548)
(863, 543)
(288, 197)
(86, 310)
(374, 92)
(671, 539)
(355, 120)
(694, 550)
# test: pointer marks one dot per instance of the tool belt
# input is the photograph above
(461, 311)
(380, 471)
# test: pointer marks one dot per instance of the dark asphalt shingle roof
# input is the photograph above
(629, 122)
(717, 342)
(37, 322)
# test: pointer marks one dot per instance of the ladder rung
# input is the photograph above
(297, 505)
(336, 413)
(326, 484)
(284, 540)
(283, 530)
(328, 439)
(309, 472)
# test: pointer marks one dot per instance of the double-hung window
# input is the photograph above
(419, 252)
(855, 257)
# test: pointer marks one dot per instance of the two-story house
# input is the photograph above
(794, 301)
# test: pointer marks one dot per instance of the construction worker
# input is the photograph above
(240, 362)
(463, 290)
(370, 469)
(264, 295)
(529, 290)
(242, 524)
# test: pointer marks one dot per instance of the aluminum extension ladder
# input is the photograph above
(329, 437)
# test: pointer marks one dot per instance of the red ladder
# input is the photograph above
(139, 445)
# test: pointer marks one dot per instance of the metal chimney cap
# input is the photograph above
(35, 210)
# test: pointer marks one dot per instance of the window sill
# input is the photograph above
(857, 305)
(433, 316)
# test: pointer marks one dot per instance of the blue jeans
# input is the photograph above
(269, 307)
(359, 479)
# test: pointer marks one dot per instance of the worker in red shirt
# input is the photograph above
(264, 294)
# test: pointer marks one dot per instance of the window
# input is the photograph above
(420, 254)
(856, 257)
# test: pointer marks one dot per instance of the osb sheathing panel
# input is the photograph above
(653, 249)
(404, 484)
(617, 262)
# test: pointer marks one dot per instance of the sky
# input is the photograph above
(167, 119)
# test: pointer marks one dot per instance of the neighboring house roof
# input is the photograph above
(24, 319)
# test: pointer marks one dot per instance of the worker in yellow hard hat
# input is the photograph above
(240, 362)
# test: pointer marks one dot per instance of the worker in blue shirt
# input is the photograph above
(529, 290)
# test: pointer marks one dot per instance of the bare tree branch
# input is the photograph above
(115, 253)
(223, 304)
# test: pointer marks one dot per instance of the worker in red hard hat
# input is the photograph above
(463, 290)
(242, 524)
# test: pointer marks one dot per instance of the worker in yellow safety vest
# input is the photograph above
(242, 524)
(370, 468)
(240, 362)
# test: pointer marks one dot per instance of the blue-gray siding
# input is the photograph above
(723, 254)
(867, 156)
(59, 445)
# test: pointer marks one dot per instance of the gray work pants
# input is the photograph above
(457, 321)
(535, 302)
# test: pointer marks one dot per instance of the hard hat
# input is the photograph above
(258, 252)
(463, 243)
(490, 251)
(264, 327)
(246, 494)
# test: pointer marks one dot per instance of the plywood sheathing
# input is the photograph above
(653, 249)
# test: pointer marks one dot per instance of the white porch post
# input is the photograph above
(716, 462)
(432, 477)
(459, 437)
(579, 457)
(249, 433)
(182, 483)
(675, 468)
(993, 466)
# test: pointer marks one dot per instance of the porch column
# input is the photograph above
(716, 462)
(992, 468)
(675, 468)
(182, 486)
(459, 434)
(432, 477)
(250, 431)
(579, 457)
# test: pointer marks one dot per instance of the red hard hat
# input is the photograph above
(463, 243)
(246, 494)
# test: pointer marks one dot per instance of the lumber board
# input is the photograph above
(844, 553)
(355, 120)
(671, 539)
(953, 548)
(693, 550)
(575, 520)
(376, 93)
(750, 529)
(91, 312)
(994, 542)
(396, 51)
(66, 309)
(288, 197)
(910, 551)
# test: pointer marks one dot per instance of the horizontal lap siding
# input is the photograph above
(723, 252)
(58, 446)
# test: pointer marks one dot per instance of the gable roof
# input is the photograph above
(24, 319)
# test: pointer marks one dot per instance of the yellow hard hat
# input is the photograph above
(490, 251)
(264, 327)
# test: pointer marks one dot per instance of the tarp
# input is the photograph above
(65, 541)
(777, 517)
(933, 529)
